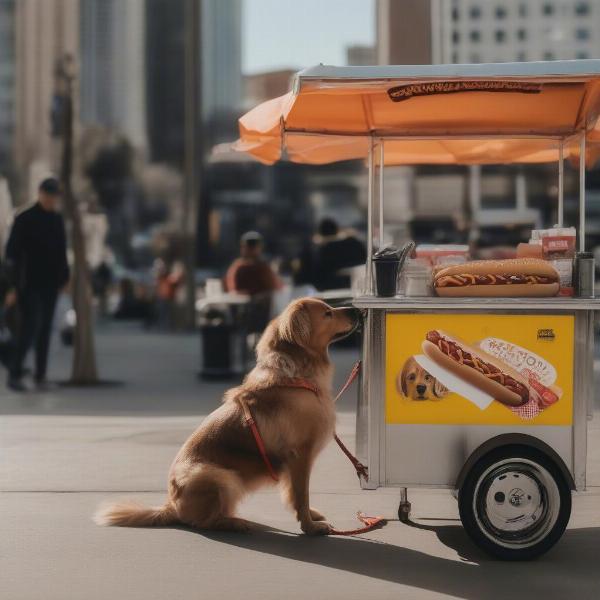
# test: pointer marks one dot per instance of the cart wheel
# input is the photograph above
(515, 503)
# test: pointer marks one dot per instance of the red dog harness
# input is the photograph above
(362, 471)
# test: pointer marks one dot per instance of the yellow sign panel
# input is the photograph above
(422, 387)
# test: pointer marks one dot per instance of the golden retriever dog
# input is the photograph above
(220, 462)
(416, 383)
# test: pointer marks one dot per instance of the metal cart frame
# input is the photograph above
(463, 449)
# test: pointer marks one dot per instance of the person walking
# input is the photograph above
(36, 256)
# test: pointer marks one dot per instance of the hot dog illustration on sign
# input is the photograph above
(509, 374)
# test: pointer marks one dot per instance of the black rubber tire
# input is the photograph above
(466, 498)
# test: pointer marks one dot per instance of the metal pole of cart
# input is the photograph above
(582, 193)
(369, 270)
(561, 183)
(381, 192)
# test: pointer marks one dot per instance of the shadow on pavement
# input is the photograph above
(568, 570)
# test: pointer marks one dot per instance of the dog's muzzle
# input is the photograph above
(355, 317)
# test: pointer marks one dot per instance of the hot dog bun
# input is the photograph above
(515, 290)
(471, 375)
(509, 267)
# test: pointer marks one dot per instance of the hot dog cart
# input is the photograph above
(513, 468)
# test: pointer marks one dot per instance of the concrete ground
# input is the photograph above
(64, 452)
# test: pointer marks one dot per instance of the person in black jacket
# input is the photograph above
(330, 252)
(36, 254)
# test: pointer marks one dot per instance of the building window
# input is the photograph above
(548, 55)
(582, 9)
(582, 55)
(455, 37)
(455, 57)
(500, 12)
(521, 56)
(500, 36)
(523, 10)
(548, 9)
(475, 36)
(475, 12)
(475, 58)
(582, 34)
(455, 13)
(522, 34)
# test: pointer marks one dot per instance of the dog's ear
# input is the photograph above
(401, 379)
(439, 391)
(294, 325)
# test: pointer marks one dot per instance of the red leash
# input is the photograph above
(370, 523)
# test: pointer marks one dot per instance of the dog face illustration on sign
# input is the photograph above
(415, 383)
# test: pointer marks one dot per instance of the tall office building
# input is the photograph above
(45, 32)
(113, 67)
(220, 78)
(165, 80)
(471, 31)
(7, 83)
(221, 65)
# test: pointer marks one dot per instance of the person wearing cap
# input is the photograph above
(36, 254)
(250, 273)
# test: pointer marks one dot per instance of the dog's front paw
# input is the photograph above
(316, 515)
(316, 528)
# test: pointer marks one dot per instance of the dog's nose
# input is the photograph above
(354, 313)
(421, 389)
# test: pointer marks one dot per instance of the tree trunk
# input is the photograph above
(84, 370)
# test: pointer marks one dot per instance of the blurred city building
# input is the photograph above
(165, 80)
(405, 32)
(259, 87)
(112, 67)
(44, 33)
(515, 30)
(221, 68)
(360, 55)
(7, 84)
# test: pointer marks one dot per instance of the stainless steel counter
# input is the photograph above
(492, 304)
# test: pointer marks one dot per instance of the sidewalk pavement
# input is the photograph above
(64, 452)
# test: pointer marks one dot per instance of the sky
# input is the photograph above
(302, 33)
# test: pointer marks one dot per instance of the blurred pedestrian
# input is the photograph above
(102, 278)
(36, 256)
(250, 273)
(168, 284)
(331, 252)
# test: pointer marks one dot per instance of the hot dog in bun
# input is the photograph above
(477, 368)
(516, 277)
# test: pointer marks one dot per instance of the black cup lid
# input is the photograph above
(388, 253)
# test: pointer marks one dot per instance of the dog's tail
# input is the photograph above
(133, 514)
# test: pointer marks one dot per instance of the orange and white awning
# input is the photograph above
(434, 114)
